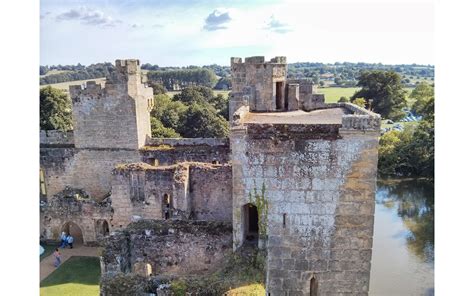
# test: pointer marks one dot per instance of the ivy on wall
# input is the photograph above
(259, 199)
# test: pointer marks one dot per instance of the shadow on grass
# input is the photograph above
(48, 250)
(77, 270)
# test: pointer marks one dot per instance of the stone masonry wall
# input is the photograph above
(87, 169)
(211, 192)
(170, 247)
(116, 116)
(166, 154)
(323, 185)
(73, 206)
(199, 191)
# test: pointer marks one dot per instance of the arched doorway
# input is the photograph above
(74, 230)
(167, 206)
(102, 228)
(313, 287)
(250, 215)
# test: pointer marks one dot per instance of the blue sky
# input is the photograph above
(178, 33)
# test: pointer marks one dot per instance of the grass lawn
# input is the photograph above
(78, 276)
(48, 250)
(249, 290)
(333, 94)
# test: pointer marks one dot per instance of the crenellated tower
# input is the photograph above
(114, 116)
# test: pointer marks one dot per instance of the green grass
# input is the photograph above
(333, 94)
(48, 250)
(76, 276)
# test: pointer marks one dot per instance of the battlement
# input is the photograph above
(258, 60)
(129, 66)
(90, 89)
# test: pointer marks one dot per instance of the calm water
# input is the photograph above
(403, 251)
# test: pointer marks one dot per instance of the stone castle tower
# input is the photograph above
(116, 116)
(315, 164)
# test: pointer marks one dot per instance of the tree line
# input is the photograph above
(78, 72)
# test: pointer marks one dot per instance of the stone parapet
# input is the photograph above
(56, 137)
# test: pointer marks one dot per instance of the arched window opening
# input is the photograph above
(313, 287)
(42, 184)
(167, 206)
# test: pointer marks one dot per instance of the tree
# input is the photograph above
(202, 121)
(194, 94)
(158, 88)
(343, 100)
(360, 102)
(386, 92)
(321, 83)
(55, 110)
(158, 130)
(422, 94)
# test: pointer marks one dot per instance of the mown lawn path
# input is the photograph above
(47, 264)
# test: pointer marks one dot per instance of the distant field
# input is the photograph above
(65, 85)
(52, 72)
(333, 94)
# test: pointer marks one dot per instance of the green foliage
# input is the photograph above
(422, 94)
(359, 102)
(178, 287)
(385, 91)
(194, 112)
(55, 110)
(202, 121)
(343, 100)
(78, 72)
(261, 202)
(184, 77)
(158, 88)
(223, 84)
(158, 130)
(409, 152)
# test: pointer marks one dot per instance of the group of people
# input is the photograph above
(66, 240)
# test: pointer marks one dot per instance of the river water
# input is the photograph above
(403, 250)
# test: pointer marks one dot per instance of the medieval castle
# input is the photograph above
(296, 177)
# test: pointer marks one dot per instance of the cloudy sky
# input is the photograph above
(179, 32)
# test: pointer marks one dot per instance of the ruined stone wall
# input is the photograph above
(198, 191)
(170, 247)
(320, 186)
(174, 151)
(74, 206)
(116, 116)
(138, 190)
(211, 192)
(87, 169)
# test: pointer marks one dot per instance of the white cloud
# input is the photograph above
(217, 20)
(88, 16)
(277, 26)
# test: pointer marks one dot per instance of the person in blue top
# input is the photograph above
(63, 240)
(70, 240)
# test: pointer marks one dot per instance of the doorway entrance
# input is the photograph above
(250, 222)
(74, 230)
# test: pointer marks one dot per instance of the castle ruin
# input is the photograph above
(296, 177)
